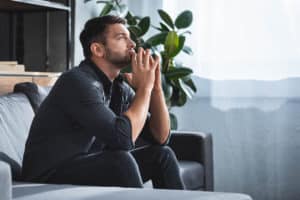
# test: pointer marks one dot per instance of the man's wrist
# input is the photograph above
(144, 90)
(157, 88)
(157, 91)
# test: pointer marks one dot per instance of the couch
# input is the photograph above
(193, 149)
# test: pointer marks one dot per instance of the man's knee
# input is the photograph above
(123, 159)
(163, 151)
(125, 169)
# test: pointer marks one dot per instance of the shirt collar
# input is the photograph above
(102, 76)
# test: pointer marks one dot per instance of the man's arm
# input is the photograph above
(159, 121)
(137, 113)
(142, 78)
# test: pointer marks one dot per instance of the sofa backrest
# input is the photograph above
(35, 93)
(16, 114)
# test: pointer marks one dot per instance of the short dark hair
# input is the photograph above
(94, 31)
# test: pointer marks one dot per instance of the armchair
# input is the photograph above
(195, 155)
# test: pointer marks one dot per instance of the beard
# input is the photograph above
(118, 59)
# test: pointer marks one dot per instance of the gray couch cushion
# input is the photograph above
(192, 174)
(65, 192)
(14, 130)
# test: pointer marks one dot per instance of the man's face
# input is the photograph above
(118, 45)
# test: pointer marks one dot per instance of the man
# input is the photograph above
(85, 130)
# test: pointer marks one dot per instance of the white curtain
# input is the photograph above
(242, 39)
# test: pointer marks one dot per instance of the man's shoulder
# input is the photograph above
(79, 75)
(78, 80)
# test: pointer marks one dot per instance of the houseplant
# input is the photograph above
(168, 42)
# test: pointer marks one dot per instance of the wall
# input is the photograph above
(256, 132)
(83, 12)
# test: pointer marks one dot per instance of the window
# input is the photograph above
(249, 39)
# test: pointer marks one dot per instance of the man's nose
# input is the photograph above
(132, 43)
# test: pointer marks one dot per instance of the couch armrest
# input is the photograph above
(5, 181)
(195, 146)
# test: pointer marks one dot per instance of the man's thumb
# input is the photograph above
(128, 77)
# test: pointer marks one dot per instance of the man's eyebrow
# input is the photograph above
(120, 34)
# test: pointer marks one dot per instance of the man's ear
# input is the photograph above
(97, 49)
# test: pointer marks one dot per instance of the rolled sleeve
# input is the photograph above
(123, 130)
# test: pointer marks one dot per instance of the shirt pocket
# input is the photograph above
(124, 106)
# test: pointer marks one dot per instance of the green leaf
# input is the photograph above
(191, 84)
(135, 30)
(184, 19)
(180, 46)
(164, 27)
(184, 88)
(165, 62)
(186, 32)
(157, 39)
(122, 9)
(135, 38)
(181, 99)
(137, 17)
(167, 88)
(106, 9)
(166, 18)
(171, 44)
(157, 28)
(144, 25)
(173, 120)
(130, 19)
(176, 73)
(188, 50)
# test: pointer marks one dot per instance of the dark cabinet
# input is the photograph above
(37, 33)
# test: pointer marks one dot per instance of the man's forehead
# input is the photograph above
(116, 29)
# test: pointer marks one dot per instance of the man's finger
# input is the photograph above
(151, 61)
(156, 62)
(146, 58)
(128, 77)
(157, 58)
(133, 61)
(140, 57)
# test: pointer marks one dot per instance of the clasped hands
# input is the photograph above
(145, 71)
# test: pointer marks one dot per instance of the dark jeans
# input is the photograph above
(121, 168)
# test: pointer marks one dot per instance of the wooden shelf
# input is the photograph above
(9, 79)
(17, 15)
(31, 74)
(31, 5)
